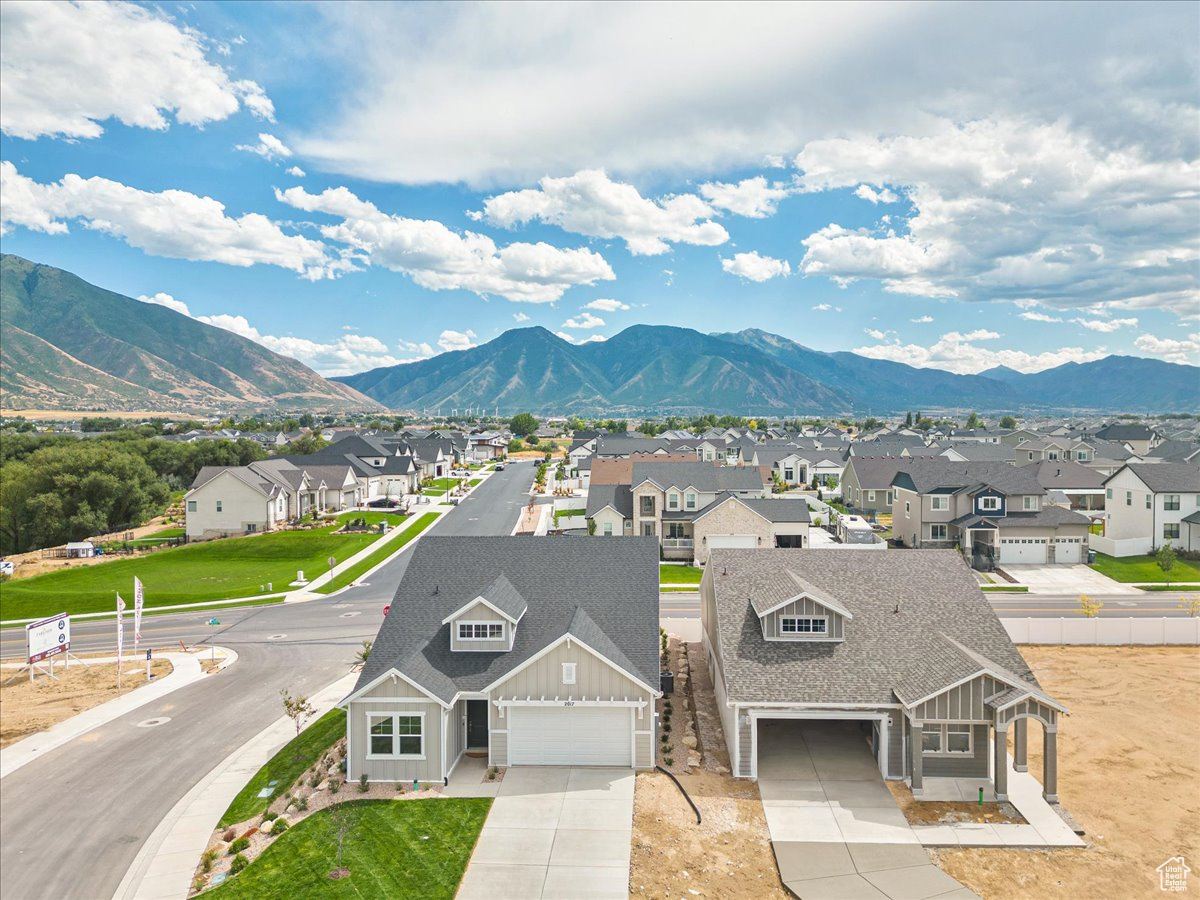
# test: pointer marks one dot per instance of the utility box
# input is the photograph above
(666, 682)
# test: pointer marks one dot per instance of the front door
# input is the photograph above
(477, 724)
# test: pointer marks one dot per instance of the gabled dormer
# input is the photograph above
(989, 502)
(488, 623)
(810, 615)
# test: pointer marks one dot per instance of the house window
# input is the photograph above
(1082, 455)
(907, 509)
(396, 735)
(789, 474)
(251, 527)
(689, 500)
(647, 506)
(647, 529)
(608, 529)
(931, 738)
(1053, 454)
(991, 504)
(1030, 502)
(1129, 498)
(939, 504)
(219, 506)
(672, 501)
(870, 496)
(191, 506)
(1171, 530)
(1149, 501)
(958, 739)
(938, 532)
(675, 530)
(1108, 493)
(568, 673)
(481, 631)
(888, 498)
(1171, 502)
(803, 625)
(940, 740)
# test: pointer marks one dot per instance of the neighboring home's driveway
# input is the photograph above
(835, 829)
(555, 833)
(1067, 579)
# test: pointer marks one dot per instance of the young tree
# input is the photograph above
(1008, 422)
(523, 424)
(342, 817)
(908, 420)
(973, 420)
(1165, 558)
(1089, 607)
(361, 655)
(298, 709)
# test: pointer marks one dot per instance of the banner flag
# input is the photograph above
(139, 598)
(120, 627)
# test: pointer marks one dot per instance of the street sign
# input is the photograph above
(332, 561)
(48, 638)
(214, 621)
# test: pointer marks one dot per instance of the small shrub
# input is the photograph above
(229, 835)
(198, 884)
(665, 738)
(669, 761)
(666, 727)
(238, 846)
(239, 862)
(363, 787)
(280, 826)
(334, 785)
(268, 815)
(399, 787)
(207, 859)
(342, 765)
(301, 803)
(314, 780)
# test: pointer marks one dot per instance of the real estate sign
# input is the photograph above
(48, 638)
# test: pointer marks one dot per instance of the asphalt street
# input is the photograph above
(72, 822)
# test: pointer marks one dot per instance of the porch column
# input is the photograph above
(1020, 741)
(1050, 763)
(914, 748)
(1000, 762)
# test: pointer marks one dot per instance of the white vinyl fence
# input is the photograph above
(1103, 631)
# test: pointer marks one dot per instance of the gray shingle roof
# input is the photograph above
(934, 590)
(704, 476)
(976, 451)
(1176, 451)
(1165, 476)
(927, 475)
(875, 473)
(506, 598)
(1065, 474)
(618, 496)
(1046, 517)
(614, 583)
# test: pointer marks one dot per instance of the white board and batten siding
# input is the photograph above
(582, 734)
(394, 696)
(480, 613)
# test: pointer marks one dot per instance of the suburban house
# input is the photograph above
(904, 644)
(539, 652)
(993, 512)
(1148, 505)
(381, 470)
(225, 500)
(1138, 438)
(867, 483)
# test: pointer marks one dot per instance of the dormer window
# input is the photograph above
(672, 500)
(1030, 502)
(803, 625)
(481, 631)
(989, 504)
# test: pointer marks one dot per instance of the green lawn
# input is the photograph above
(1005, 589)
(679, 574)
(566, 513)
(286, 766)
(1129, 569)
(373, 517)
(215, 570)
(159, 537)
(474, 481)
(406, 850)
(365, 565)
(440, 485)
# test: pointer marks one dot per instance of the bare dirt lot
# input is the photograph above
(29, 708)
(1129, 773)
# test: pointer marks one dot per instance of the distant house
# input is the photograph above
(1138, 438)
(867, 483)
(1148, 505)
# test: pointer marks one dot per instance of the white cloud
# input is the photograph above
(826, 307)
(1034, 316)
(865, 192)
(751, 197)
(268, 147)
(584, 321)
(955, 352)
(1106, 326)
(68, 67)
(572, 339)
(421, 349)
(169, 223)
(520, 317)
(456, 340)
(161, 299)
(922, 320)
(607, 305)
(755, 267)
(1013, 209)
(591, 203)
(296, 172)
(438, 258)
(1171, 349)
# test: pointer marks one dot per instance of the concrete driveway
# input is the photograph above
(1066, 579)
(555, 833)
(835, 829)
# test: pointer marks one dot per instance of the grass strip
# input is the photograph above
(1168, 587)
(1144, 569)
(679, 574)
(1004, 588)
(286, 766)
(372, 560)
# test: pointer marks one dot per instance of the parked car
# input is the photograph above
(384, 503)
(499, 467)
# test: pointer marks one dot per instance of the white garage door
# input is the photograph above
(569, 736)
(1022, 550)
(1068, 550)
(732, 541)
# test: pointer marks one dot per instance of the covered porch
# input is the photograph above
(678, 541)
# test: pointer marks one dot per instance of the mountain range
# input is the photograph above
(67, 344)
(664, 369)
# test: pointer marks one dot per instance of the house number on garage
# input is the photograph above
(568, 703)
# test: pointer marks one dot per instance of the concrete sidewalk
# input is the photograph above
(164, 867)
(185, 670)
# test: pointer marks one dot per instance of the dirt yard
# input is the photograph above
(1129, 773)
(935, 812)
(26, 708)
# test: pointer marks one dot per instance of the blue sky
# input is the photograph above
(951, 185)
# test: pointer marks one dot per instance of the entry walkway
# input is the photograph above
(561, 833)
(835, 829)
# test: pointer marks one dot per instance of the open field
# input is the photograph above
(1130, 569)
(416, 850)
(1129, 766)
(27, 708)
(216, 570)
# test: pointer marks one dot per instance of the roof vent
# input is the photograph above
(436, 588)
(725, 570)
(897, 609)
